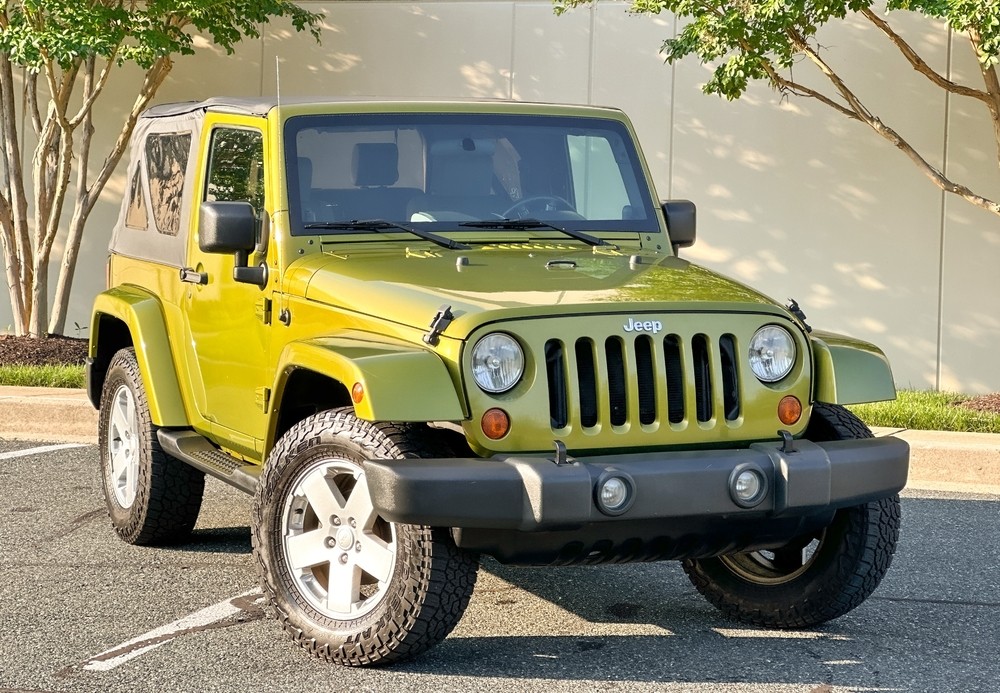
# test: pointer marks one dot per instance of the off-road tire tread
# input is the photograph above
(856, 569)
(169, 493)
(439, 587)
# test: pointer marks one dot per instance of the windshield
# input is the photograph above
(432, 172)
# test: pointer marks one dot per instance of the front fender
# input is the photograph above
(141, 313)
(401, 382)
(849, 371)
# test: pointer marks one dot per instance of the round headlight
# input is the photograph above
(497, 362)
(772, 353)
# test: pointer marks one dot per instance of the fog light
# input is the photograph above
(614, 494)
(747, 485)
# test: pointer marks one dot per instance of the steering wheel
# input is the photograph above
(540, 203)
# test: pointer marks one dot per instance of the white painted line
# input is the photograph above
(116, 656)
(40, 450)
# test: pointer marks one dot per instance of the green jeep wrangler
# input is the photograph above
(418, 332)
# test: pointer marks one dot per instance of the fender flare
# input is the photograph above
(380, 367)
(141, 313)
(849, 371)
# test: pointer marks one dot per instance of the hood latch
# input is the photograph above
(439, 324)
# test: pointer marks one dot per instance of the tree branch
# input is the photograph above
(887, 133)
(992, 88)
(919, 64)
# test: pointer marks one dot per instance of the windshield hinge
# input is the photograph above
(262, 398)
(439, 324)
(263, 309)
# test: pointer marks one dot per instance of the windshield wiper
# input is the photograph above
(523, 224)
(380, 225)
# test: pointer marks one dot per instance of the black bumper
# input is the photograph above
(691, 488)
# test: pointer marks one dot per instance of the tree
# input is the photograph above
(763, 40)
(67, 51)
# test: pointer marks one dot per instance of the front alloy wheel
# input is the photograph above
(340, 554)
(347, 585)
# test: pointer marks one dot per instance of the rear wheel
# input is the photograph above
(347, 585)
(152, 498)
(816, 577)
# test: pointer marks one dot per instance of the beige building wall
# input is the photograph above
(793, 198)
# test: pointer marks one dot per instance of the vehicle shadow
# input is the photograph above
(232, 540)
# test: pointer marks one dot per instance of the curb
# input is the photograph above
(938, 459)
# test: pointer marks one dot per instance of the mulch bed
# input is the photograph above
(985, 403)
(29, 351)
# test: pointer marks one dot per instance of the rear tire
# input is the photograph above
(348, 586)
(152, 498)
(814, 578)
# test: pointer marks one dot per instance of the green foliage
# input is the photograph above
(928, 411)
(42, 376)
(747, 39)
(33, 32)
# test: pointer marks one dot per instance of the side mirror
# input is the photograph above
(227, 227)
(681, 222)
(231, 227)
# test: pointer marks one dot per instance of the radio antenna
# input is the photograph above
(277, 77)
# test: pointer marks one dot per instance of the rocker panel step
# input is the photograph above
(197, 451)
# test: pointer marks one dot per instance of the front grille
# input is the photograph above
(642, 380)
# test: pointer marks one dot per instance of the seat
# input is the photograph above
(460, 183)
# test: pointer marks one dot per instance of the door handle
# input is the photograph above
(191, 276)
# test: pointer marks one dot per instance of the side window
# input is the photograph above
(135, 217)
(166, 162)
(236, 168)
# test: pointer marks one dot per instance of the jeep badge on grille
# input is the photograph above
(652, 326)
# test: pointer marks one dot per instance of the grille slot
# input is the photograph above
(555, 368)
(616, 381)
(643, 380)
(587, 378)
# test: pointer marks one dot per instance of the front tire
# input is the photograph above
(152, 498)
(348, 586)
(814, 578)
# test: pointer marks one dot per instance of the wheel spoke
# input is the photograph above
(324, 497)
(344, 588)
(376, 557)
(359, 505)
(120, 463)
(119, 422)
(307, 550)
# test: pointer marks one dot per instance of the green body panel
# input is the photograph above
(380, 368)
(141, 312)
(850, 371)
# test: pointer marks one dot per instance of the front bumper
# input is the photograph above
(535, 494)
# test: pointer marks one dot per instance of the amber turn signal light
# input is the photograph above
(789, 410)
(495, 423)
(358, 393)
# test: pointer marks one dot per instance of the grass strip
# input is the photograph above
(42, 376)
(928, 411)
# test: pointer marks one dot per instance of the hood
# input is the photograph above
(495, 282)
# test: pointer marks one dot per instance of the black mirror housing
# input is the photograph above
(681, 218)
(227, 227)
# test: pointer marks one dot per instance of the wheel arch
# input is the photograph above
(849, 371)
(128, 316)
(322, 373)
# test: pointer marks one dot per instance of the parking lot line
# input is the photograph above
(39, 450)
(199, 620)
